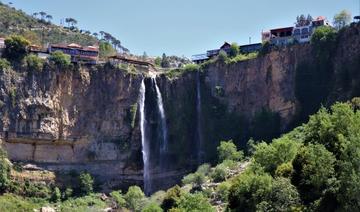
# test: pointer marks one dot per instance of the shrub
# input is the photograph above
(222, 57)
(56, 195)
(222, 191)
(16, 47)
(4, 171)
(171, 198)
(34, 63)
(204, 169)
(135, 198)
(227, 151)
(194, 202)
(86, 183)
(4, 64)
(60, 59)
(234, 50)
(119, 198)
(219, 173)
(67, 193)
(152, 207)
(284, 170)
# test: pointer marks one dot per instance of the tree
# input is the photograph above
(49, 18)
(227, 151)
(86, 183)
(234, 50)
(60, 59)
(158, 61)
(16, 47)
(270, 156)
(303, 21)
(165, 63)
(43, 15)
(194, 202)
(248, 190)
(342, 19)
(313, 171)
(282, 197)
(106, 50)
(135, 198)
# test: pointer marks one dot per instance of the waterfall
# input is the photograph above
(200, 151)
(164, 143)
(144, 142)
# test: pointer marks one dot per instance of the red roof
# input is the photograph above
(76, 46)
(285, 29)
(320, 18)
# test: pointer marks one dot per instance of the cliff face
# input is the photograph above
(87, 118)
(72, 120)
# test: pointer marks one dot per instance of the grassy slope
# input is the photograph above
(14, 21)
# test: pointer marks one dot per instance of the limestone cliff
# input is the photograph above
(86, 118)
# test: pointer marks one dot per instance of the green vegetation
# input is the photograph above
(16, 47)
(342, 19)
(106, 49)
(86, 183)
(34, 63)
(227, 151)
(60, 59)
(4, 64)
(4, 171)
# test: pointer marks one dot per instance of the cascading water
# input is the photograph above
(164, 144)
(200, 151)
(144, 143)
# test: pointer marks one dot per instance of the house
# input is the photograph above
(281, 36)
(199, 58)
(88, 54)
(320, 21)
(250, 48)
(302, 34)
(213, 53)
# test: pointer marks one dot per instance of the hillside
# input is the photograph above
(13, 21)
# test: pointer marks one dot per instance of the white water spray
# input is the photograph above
(144, 143)
(164, 146)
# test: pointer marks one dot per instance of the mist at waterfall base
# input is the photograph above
(158, 159)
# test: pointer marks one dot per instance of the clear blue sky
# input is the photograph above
(183, 27)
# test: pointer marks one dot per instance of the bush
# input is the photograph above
(4, 64)
(152, 207)
(222, 191)
(284, 170)
(119, 198)
(135, 198)
(227, 151)
(67, 193)
(171, 198)
(204, 169)
(56, 195)
(16, 47)
(234, 50)
(86, 183)
(60, 59)
(219, 173)
(4, 171)
(34, 63)
(194, 202)
(222, 57)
